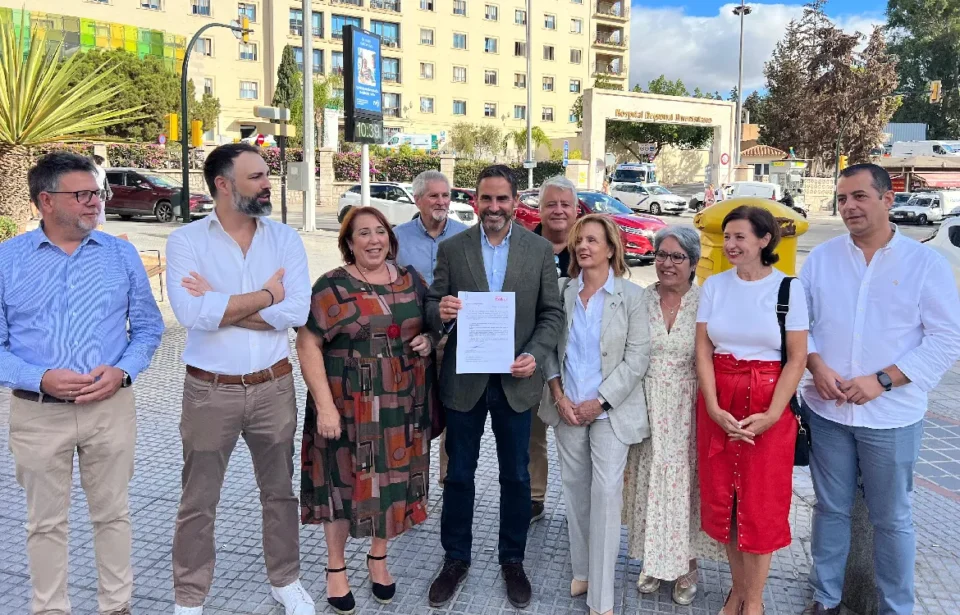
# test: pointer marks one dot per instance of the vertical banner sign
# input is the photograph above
(363, 102)
(566, 153)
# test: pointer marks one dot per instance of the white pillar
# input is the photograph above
(364, 175)
(309, 152)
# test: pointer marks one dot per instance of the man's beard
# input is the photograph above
(439, 215)
(252, 205)
(79, 222)
(494, 223)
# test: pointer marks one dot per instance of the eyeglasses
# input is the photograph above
(84, 196)
(676, 257)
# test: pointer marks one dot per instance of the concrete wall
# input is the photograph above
(681, 166)
(818, 193)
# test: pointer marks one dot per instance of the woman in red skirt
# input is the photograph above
(745, 429)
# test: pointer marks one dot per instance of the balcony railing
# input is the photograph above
(612, 11)
(388, 41)
(353, 2)
(391, 111)
(386, 5)
(602, 68)
(391, 77)
(611, 40)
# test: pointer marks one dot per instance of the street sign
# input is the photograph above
(260, 140)
(725, 159)
(272, 113)
(566, 153)
(162, 139)
(646, 149)
(610, 159)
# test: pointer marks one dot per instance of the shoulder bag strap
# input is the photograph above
(783, 307)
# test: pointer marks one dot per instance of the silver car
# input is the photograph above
(653, 198)
(395, 201)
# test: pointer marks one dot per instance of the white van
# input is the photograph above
(416, 141)
(926, 207)
(922, 148)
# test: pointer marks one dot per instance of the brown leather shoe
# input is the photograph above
(815, 608)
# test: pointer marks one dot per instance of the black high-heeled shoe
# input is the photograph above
(342, 605)
(381, 593)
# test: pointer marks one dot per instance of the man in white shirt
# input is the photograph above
(884, 328)
(105, 186)
(240, 281)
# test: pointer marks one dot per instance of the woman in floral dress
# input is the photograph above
(366, 435)
(661, 501)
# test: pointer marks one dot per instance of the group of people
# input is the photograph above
(673, 406)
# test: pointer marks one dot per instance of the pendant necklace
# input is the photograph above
(393, 331)
(671, 310)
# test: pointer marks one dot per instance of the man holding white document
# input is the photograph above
(495, 292)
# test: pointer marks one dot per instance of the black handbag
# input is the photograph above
(801, 450)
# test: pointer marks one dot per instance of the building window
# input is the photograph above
(426, 36)
(387, 5)
(490, 45)
(339, 21)
(296, 22)
(519, 112)
(575, 86)
(208, 86)
(547, 114)
(317, 24)
(426, 104)
(459, 40)
(490, 77)
(426, 5)
(460, 7)
(201, 7)
(391, 70)
(153, 5)
(459, 107)
(389, 32)
(459, 74)
(520, 49)
(248, 10)
(248, 51)
(489, 109)
(577, 1)
(550, 21)
(520, 80)
(204, 46)
(575, 56)
(520, 17)
(576, 26)
(548, 84)
(426, 70)
(317, 66)
(391, 104)
(548, 52)
(249, 90)
(572, 118)
(336, 62)
(491, 12)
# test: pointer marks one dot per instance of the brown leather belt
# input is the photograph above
(42, 398)
(278, 369)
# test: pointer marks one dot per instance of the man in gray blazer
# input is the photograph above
(496, 255)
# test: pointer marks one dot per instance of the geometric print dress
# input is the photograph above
(376, 475)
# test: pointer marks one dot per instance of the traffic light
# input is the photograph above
(936, 91)
(172, 126)
(843, 162)
(196, 133)
(245, 24)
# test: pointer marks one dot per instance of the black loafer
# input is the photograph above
(451, 575)
(518, 585)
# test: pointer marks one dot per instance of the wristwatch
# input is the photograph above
(127, 381)
(884, 380)
(605, 405)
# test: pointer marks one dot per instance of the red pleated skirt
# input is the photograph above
(757, 478)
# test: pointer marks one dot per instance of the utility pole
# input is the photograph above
(741, 11)
(309, 151)
(529, 162)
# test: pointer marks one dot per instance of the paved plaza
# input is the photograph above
(240, 586)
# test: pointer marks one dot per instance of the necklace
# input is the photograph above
(663, 304)
(393, 331)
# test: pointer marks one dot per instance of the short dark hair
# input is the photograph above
(878, 176)
(45, 175)
(498, 170)
(346, 232)
(219, 162)
(98, 159)
(762, 222)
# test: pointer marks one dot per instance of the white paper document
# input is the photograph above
(485, 333)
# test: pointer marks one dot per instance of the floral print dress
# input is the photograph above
(661, 503)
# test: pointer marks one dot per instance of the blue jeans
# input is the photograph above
(885, 459)
(464, 431)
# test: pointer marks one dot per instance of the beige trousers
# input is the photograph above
(538, 467)
(43, 440)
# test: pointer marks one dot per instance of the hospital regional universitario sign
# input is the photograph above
(673, 118)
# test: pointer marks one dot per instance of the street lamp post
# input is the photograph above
(741, 11)
(309, 147)
(529, 113)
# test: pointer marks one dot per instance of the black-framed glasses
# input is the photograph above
(83, 196)
(676, 257)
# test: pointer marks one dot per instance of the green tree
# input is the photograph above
(463, 139)
(518, 139)
(755, 105)
(289, 80)
(327, 94)
(207, 109)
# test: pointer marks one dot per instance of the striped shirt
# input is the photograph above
(60, 311)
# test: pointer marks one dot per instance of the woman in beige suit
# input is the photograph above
(595, 401)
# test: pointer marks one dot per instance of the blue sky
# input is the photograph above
(697, 40)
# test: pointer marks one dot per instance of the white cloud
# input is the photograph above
(703, 51)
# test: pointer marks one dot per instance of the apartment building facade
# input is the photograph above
(444, 61)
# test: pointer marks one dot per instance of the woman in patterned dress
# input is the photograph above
(366, 435)
(661, 500)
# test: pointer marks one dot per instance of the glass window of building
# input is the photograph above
(491, 12)
(459, 107)
(426, 70)
(459, 40)
(550, 21)
(459, 74)
(490, 45)
(426, 36)
(249, 90)
(548, 52)
(490, 77)
(547, 114)
(489, 109)
(460, 7)
(519, 112)
(548, 84)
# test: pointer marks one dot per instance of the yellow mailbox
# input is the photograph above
(709, 221)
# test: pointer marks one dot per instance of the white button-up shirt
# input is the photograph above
(902, 309)
(582, 370)
(203, 246)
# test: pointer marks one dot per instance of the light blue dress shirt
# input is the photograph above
(582, 370)
(72, 311)
(419, 248)
(495, 259)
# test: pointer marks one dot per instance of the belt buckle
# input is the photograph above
(243, 380)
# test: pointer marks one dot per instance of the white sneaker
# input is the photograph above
(294, 599)
(187, 610)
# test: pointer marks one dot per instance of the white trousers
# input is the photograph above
(592, 461)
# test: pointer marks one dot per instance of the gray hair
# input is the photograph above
(557, 181)
(421, 181)
(46, 173)
(689, 241)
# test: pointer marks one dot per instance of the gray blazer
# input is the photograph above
(625, 355)
(532, 275)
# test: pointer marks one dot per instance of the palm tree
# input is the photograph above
(37, 107)
(538, 139)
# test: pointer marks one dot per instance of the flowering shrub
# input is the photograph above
(272, 157)
(397, 167)
(143, 156)
(83, 149)
(466, 172)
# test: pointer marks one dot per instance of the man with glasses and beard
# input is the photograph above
(78, 324)
(239, 281)
(497, 255)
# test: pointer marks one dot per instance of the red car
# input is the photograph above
(140, 192)
(636, 230)
(467, 196)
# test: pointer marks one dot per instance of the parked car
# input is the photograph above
(653, 198)
(141, 192)
(395, 201)
(947, 243)
(467, 196)
(901, 198)
(924, 208)
(763, 190)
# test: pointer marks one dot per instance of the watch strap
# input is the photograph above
(885, 380)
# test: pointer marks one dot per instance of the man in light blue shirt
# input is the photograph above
(418, 239)
(78, 324)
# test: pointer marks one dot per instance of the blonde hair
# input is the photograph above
(618, 261)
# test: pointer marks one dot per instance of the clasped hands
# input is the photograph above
(100, 384)
(830, 385)
(747, 429)
(579, 414)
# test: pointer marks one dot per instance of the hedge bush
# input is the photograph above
(466, 172)
(8, 228)
(395, 167)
